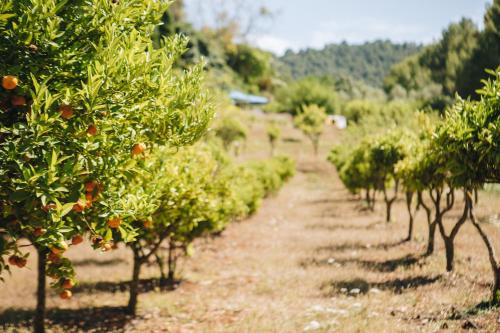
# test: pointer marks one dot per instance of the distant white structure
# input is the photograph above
(240, 98)
(337, 120)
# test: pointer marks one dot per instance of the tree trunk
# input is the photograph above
(450, 253)
(161, 266)
(373, 199)
(409, 200)
(430, 239)
(450, 239)
(496, 287)
(430, 224)
(316, 147)
(389, 202)
(495, 265)
(388, 209)
(134, 284)
(272, 148)
(171, 263)
(39, 321)
(367, 197)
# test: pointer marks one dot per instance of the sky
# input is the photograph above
(298, 24)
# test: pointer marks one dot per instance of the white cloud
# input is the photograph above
(353, 31)
(274, 44)
(365, 29)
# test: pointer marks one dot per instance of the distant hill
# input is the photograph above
(369, 62)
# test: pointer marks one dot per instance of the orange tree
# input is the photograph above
(422, 171)
(353, 167)
(470, 144)
(416, 174)
(184, 202)
(310, 119)
(184, 197)
(383, 155)
(84, 96)
(223, 192)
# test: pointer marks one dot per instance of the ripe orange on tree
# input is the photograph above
(138, 148)
(39, 231)
(88, 200)
(59, 248)
(90, 186)
(76, 240)
(68, 284)
(53, 257)
(92, 130)
(9, 82)
(79, 206)
(114, 222)
(17, 261)
(18, 101)
(13, 260)
(65, 294)
(66, 111)
(21, 262)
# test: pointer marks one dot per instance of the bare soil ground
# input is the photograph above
(312, 259)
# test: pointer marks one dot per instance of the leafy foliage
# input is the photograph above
(93, 95)
(230, 130)
(294, 96)
(311, 121)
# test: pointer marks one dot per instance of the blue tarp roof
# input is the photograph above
(239, 97)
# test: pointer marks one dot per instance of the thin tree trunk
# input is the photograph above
(171, 263)
(272, 148)
(430, 239)
(409, 201)
(161, 266)
(450, 239)
(134, 283)
(389, 202)
(450, 253)
(39, 321)
(316, 147)
(374, 200)
(388, 209)
(495, 264)
(430, 224)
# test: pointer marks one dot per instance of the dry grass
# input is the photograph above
(299, 260)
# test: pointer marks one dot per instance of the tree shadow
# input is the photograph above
(291, 139)
(396, 286)
(334, 227)
(330, 201)
(96, 262)
(385, 266)
(100, 319)
(483, 306)
(358, 246)
(145, 285)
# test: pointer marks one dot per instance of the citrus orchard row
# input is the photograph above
(458, 153)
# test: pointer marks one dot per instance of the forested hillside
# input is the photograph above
(369, 62)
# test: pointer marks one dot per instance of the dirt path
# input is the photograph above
(310, 260)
